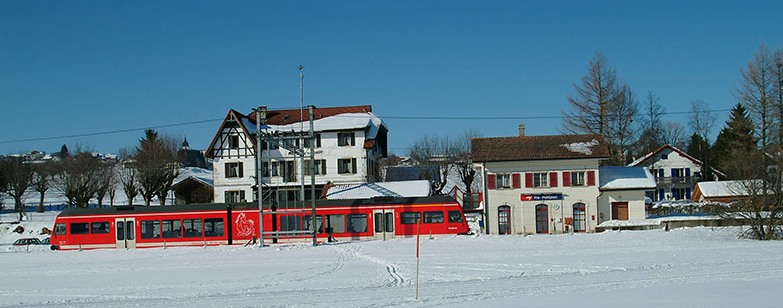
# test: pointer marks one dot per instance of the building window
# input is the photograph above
(320, 167)
(235, 196)
(541, 179)
(233, 141)
(678, 172)
(346, 166)
(504, 180)
(234, 170)
(664, 156)
(317, 141)
(289, 171)
(275, 168)
(578, 178)
(346, 139)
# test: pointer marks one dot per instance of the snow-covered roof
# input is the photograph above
(199, 174)
(712, 189)
(345, 121)
(419, 188)
(616, 177)
(585, 148)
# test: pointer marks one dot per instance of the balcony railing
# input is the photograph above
(677, 180)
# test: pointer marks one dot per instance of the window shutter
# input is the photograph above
(353, 161)
(227, 170)
(529, 180)
(591, 178)
(353, 139)
(516, 180)
(674, 171)
(491, 181)
(566, 178)
(241, 170)
(660, 173)
(553, 179)
(687, 171)
(225, 197)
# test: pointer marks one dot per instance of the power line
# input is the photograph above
(109, 132)
(383, 117)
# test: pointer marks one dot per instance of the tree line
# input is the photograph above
(148, 171)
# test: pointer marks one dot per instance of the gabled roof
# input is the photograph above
(538, 148)
(325, 119)
(682, 153)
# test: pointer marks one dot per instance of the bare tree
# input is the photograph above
(756, 94)
(128, 177)
(595, 101)
(463, 162)
(430, 152)
(105, 181)
(622, 131)
(43, 173)
(673, 133)
(651, 136)
(78, 178)
(19, 178)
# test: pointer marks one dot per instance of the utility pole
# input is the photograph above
(260, 112)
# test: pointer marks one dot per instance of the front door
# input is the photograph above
(384, 223)
(542, 218)
(125, 232)
(620, 210)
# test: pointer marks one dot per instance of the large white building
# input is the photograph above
(348, 142)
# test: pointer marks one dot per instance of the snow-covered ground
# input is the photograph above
(697, 267)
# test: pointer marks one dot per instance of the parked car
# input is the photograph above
(27, 241)
(45, 241)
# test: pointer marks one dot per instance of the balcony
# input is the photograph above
(677, 180)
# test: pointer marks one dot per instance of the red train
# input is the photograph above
(222, 224)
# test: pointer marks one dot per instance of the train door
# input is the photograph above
(384, 223)
(126, 232)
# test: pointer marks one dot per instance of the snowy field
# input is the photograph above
(698, 267)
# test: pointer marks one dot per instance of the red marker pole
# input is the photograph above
(418, 232)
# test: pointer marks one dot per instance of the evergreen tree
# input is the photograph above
(734, 141)
(699, 148)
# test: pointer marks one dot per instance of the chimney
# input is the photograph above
(521, 130)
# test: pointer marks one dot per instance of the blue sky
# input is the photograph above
(86, 67)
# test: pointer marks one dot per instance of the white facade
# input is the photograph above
(352, 161)
(675, 171)
(547, 208)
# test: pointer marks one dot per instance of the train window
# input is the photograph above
(80, 228)
(308, 221)
(336, 222)
(150, 229)
(290, 223)
(99, 227)
(455, 216)
(357, 222)
(433, 217)
(172, 228)
(192, 227)
(213, 227)
(59, 229)
(120, 231)
(408, 218)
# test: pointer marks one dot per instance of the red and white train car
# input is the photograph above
(222, 224)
